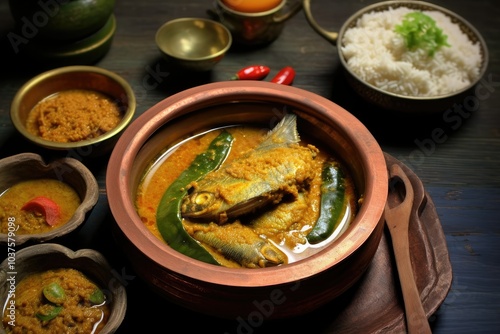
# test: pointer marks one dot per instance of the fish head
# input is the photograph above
(200, 204)
(271, 256)
(211, 206)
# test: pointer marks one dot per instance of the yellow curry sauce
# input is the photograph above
(291, 239)
(73, 115)
(33, 221)
(81, 309)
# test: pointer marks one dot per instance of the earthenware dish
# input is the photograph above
(195, 44)
(38, 258)
(291, 289)
(397, 102)
(74, 77)
(28, 166)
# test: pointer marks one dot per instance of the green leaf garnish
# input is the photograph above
(420, 31)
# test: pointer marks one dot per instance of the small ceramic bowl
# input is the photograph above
(292, 289)
(399, 102)
(28, 166)
(195, 44)
(91, 78)
(92, 264)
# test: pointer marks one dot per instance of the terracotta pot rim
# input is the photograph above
(122, 158)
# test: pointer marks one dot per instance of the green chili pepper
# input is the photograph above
(54, 293)
(97, 297)
(168, 217)
(50, 314)
(332, 203)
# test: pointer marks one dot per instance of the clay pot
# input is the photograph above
(283, 291)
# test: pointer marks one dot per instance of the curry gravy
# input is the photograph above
(33, 221)
(77, 313)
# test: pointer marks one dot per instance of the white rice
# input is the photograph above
(378, 55)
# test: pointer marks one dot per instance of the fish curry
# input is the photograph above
(261, 206)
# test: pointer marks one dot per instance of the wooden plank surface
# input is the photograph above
(461, 173)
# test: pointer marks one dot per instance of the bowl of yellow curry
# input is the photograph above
(79, 108)
(49, 288)
(236, 198)
(42, 201)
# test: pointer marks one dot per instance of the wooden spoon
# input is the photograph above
(397, 218)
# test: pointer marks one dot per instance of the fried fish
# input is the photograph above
(276, 168)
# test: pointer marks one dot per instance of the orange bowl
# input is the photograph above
(287, 290)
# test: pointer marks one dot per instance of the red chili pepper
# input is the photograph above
(46, 207)
(254, 72)
(285, 76)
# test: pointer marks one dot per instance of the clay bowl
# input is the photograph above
(194, 44)
(398, 102)
(92, 264)
(91, 78)
(229, 292)
(27, 166)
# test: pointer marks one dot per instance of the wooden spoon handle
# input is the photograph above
(415, 315)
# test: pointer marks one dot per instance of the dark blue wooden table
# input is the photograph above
(461, 171)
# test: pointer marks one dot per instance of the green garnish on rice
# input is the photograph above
(420, 31)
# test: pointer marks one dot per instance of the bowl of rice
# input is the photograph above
(408, 56)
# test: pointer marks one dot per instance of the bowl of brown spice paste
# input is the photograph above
(74, 107)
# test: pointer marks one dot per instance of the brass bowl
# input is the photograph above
(30, 166)
(39, 258)
(229, 292)
(195, 44)
(74, 77)
(392, 101)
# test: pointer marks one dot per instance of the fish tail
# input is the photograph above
(284, 132)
